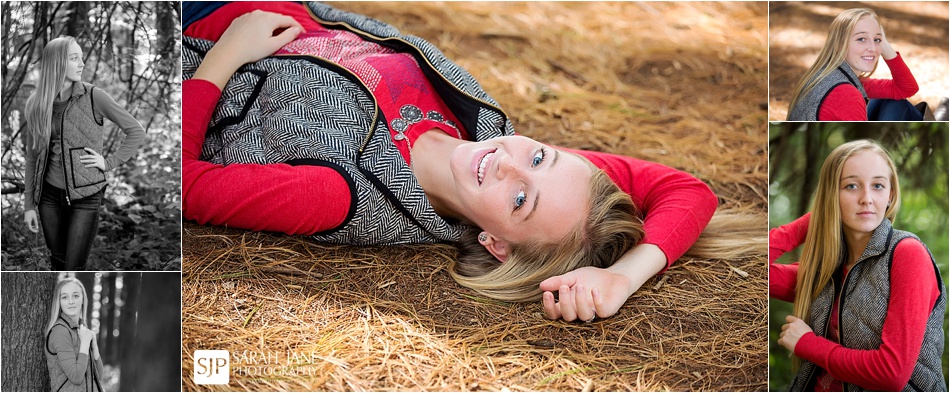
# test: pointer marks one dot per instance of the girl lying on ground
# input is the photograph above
(307, 120)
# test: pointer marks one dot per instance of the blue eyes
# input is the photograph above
(538, 158)
(519, 200)
(878, 186)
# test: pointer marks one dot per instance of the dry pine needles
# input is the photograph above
(682, 84)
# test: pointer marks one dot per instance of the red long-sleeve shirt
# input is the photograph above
(846, 103)
(277, 197)
(913, 292)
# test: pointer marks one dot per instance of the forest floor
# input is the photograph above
(917, 30)
(675, 83)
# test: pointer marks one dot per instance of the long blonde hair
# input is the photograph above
(39, 107)
(824, 241)
(54, 309)
(613, 226)
(833, 53)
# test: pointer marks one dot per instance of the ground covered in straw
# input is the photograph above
(677, 83)
(918, 30)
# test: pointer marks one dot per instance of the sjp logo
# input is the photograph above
(212, 367)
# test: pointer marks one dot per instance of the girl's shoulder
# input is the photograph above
(59, 337)
(911, 250)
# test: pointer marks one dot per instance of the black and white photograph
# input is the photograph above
(90, 332)
(91, 109)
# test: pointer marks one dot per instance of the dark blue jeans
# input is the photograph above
(69, 229)
(893, 110)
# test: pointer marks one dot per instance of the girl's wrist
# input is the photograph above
(888, 54)
(217, 68)
(639, 264)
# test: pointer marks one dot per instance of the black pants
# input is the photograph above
(69, 229)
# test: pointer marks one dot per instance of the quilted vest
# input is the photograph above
(807, 107)
(863, 306)
(305, 110)
(81, 128)
(59, 382)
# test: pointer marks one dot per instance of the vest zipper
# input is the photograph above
(824, 333)
(62, 147)
(376, 38)
(841, 299)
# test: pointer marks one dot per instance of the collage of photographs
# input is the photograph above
(268, 196)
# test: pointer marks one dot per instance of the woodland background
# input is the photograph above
(132, 52)
(796, 153)
(135, 316)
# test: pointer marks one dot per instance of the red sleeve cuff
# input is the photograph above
(814, 349)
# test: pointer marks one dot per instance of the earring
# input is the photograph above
(482, 237)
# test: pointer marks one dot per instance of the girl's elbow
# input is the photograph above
(76, 376)
(893, 379)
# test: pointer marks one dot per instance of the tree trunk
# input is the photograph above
(109, 349)
(26, 302)
(78, 22)
(131, 285)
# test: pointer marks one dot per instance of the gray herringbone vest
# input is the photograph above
(304, 110)
(807, 107)
(862, 309)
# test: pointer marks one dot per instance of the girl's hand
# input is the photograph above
(887, 51)
(93, 160)
(792, 332)
(85, 336)
(95, 347)
(31, 222)
(249, 38)
(585, 293)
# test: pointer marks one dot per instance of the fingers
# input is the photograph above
(276, 20)
(599, 305)
(584, 306)
(575, 303)
(554, 283)
(288, 34)
(31, 221)
(566, 300)
(551, 309)
(790, 318)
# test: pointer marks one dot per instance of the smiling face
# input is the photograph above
(864, 192)
(864, 45)
(71, 299)
(74, 63)
(519, 190)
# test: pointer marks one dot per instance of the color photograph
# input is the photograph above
(474, 196)
(858, 256)
(858, 61)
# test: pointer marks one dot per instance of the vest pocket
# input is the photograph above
(83, 176)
